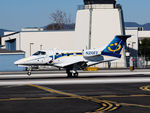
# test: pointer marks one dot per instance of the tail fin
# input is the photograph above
(114, 48)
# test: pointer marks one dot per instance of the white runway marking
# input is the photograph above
(76, 81)
(97, 80)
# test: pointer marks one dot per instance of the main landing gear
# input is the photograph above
(72, 74)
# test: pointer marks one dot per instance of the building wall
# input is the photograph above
(105, 25)
(133, 41)
(15, 36)
(48, 40)
(7, 62)
(143, 34)
(82, 29)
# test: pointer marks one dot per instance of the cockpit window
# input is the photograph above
(39, 53)
(43, 53)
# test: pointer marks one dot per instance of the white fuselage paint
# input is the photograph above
(62, 58)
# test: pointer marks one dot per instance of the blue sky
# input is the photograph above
(17, 14)
(136, 10)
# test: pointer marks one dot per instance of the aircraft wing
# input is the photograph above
(70, 61)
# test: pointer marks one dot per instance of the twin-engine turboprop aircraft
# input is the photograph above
(72, 60)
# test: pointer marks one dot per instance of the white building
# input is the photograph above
(136, 36)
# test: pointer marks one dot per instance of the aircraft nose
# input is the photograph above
(18, 62)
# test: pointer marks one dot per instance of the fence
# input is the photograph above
(141, 62)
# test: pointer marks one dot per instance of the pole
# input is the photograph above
(30, 48)
(90, 26)
(122, 26)
(0, 40)
(41, 47)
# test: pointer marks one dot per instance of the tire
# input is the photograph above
(29, 73)
(76, 74)
(69, 75)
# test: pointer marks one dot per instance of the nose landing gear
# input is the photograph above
(29, 70)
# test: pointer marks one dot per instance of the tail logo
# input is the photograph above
(116, 46)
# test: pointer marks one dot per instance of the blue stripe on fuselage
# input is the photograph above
(64, 55)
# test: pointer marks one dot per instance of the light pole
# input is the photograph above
(41, 47)
(133, 52)
(90, 24)
(133, 44)
(30, 48)
(131, 48)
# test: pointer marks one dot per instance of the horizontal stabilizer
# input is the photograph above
(123, 36)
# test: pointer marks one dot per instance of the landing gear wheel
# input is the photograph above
(75, 74)
(29, 70)
(29, 73)
(69, 74)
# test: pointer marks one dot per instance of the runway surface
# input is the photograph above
(90, 93)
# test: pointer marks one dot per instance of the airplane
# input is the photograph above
(74, 60)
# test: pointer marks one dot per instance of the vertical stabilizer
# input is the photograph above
(115, 46)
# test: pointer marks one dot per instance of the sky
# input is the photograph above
(17, 14)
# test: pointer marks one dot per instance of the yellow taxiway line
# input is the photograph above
(105, 105)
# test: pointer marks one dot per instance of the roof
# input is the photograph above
(87, 2)
(7, 51)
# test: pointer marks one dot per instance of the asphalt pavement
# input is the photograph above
(37, 93)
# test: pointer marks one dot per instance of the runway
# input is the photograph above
(90, 93)
(84, 78)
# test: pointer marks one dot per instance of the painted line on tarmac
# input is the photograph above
(105, 105)
(129, 104)
(122, 96)
(76, 81)
(47, 98)
(135, 105)
(145, 88)
(101, 96)
(34, 98)
(103, 108)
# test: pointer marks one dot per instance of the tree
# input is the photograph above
(59, 20)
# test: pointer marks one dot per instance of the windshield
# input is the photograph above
(39, 53)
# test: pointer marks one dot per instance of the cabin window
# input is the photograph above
(57, 54)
